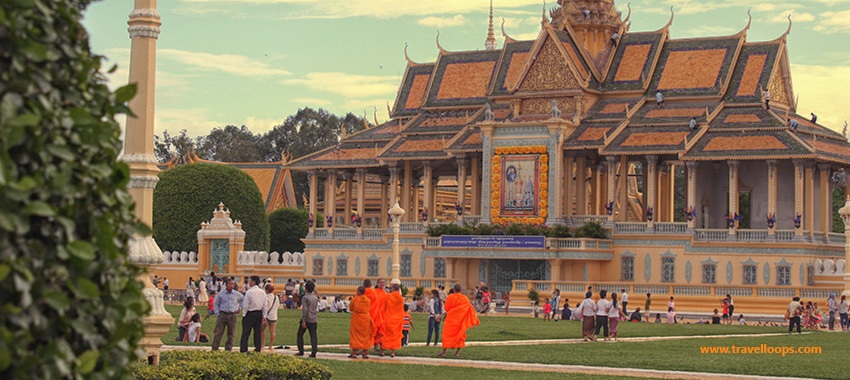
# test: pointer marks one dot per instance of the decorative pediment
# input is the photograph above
(778, 88)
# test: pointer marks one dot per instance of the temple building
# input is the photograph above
(591, 122)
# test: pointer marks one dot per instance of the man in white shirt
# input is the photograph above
(624, 299)
(252, 314)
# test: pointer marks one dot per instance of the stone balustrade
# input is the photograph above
(273, 259)
(179, 258)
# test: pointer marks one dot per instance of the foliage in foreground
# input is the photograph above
(203, 365)
(70, 306)
(186, 196)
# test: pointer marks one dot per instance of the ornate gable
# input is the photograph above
(549, 71)
(777, 87)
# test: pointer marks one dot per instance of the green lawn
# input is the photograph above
(333, 328)
(680, 355)
(367, 370)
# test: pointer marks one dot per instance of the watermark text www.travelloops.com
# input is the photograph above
(763, 349)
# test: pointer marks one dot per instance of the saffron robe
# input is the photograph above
(460, 316)
(393, 320)
(376, 309)
(362, 332)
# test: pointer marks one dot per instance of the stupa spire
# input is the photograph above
(490, 43)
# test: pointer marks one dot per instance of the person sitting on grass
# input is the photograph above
(715, 319)
(657, 317)
(547, 309)
(741, 320)
(635, 317)
(194, 334)
(671, 315)
(566, 313)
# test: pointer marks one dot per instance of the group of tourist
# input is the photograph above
(258, 306)
(380, 319)
(603, 315)
(808, 314)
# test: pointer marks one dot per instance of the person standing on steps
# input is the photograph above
(309, 320)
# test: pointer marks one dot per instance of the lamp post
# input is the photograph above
(845, 216)
(396, 213)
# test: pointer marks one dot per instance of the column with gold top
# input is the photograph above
(138, 154)
(845, 216)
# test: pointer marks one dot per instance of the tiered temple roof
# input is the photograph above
(607, 89)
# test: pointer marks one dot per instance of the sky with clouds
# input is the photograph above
(254, 62)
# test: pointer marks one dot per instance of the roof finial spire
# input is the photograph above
(490, 43)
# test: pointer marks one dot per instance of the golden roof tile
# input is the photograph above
(466, 80)
(689, 69)
(723, 143)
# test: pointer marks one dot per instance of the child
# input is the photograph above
(726, 317)
(715, 319)
(193, 333)
(535, 309)
(547, 309)
(210, 304)
(566, 313)
(657, 317)
(406, 326)
(741, 320)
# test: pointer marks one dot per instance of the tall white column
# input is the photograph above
(461, 187)
(361, 197)
(798, 197)
(771, 193)
(611, 187)
(692, 191)
(144, 31)
(652, 177)
(733, 196)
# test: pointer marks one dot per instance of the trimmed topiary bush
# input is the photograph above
(186, 196)
(209, 365)
(70, 307)
(287, 226)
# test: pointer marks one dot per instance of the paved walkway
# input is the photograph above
(536, 367)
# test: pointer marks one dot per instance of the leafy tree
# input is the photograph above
(838, 201)
(186, 195)
(229, 144)
(306, 132)
(168, 147)
(287, 226)
(71, 307)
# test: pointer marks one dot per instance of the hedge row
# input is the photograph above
(226, 365)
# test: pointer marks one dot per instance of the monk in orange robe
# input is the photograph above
(460, 316)
(393, 320)
(376, 309)
(362, 330)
